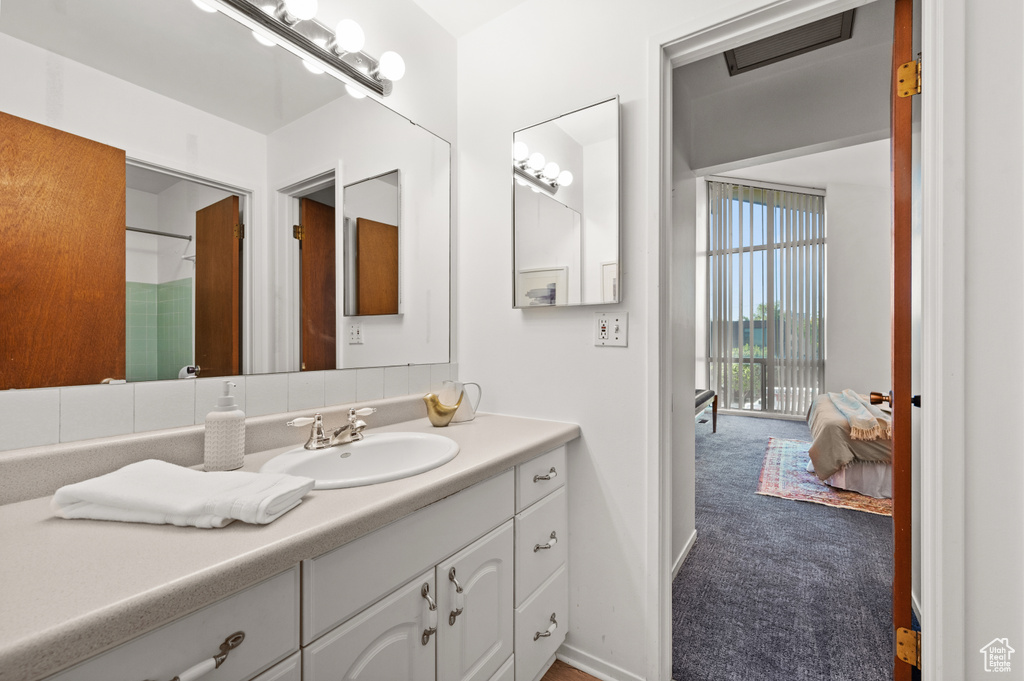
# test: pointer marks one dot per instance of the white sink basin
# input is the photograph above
(378, 457)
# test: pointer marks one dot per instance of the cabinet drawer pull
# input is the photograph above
(551, 474)
(453, 615)
(551, 542)
(431, 628)
(550, 630)
(209, 664)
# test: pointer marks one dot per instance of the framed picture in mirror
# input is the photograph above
(565, 209)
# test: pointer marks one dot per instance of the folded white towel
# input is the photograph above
(162, 493)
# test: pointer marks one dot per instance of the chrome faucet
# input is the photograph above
(350, 432)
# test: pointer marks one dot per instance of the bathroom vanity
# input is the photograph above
(459, 572)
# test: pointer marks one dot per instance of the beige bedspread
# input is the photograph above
(832, 447)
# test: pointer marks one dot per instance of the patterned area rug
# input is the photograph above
(784, 474)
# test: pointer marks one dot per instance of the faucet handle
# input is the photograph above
(303, 421)
(317, 438)
(365, 411)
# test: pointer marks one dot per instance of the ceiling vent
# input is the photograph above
(790, 43)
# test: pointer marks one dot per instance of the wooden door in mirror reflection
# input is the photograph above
(218, 289)
(377, 267)
(319, 315)
(62, 257)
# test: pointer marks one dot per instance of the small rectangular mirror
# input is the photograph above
(372, 226)
(565, 215)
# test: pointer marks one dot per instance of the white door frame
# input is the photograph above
(942, 325)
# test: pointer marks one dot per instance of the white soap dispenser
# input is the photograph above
(224, 442)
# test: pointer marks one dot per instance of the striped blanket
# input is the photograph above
(867, 422)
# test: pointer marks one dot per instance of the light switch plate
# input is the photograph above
(611, 328)
(355, 333)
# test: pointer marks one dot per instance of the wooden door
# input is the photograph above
(382, 643)
(219, 289)
(475, 609)
(376, 267)
(62, 257)
(902, 348)
(319, 312)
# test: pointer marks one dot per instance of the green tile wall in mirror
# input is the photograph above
(168, 153)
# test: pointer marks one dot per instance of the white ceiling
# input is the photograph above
(863, 164)
(459, 17)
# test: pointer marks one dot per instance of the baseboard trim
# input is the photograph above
(915, 604)
(574, 657)
(676, 566)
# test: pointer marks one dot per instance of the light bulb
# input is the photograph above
(354, 92)
(536, 161)
(262, 39)
(520, 152)
(521, 182)
(303, 10)
(312, 67)
(349, 36)
(203, 6)
(551, 170)
(391, 66)
(564, 178)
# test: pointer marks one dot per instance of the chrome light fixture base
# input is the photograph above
(304, 35)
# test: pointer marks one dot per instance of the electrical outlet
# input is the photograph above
(611, 328)
(355, 333)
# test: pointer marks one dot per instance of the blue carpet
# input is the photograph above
(774, 588)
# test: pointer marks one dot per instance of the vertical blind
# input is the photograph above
(766, 262)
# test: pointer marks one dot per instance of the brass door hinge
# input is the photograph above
(908, 79)
(298, 232)
(908, 646)
(239, 231)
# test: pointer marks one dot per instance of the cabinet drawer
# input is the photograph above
(535, 479)
(342, 582)
(287, 670)
(383, 642)
(534, 617)
(268, 613)
(534, 529)
(507, 671)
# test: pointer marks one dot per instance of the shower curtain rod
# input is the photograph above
(186, 237)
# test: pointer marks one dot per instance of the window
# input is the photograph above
(766, 302)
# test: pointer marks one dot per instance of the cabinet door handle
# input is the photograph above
(209, 664)
(459, 602)
(551, 542)
(551, 474)
(431, 627)
(550, 629)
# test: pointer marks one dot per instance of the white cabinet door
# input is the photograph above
(476, 628)
(393, 640)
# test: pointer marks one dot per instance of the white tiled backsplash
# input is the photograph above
(46, 416)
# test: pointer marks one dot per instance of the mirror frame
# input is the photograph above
(618, 211)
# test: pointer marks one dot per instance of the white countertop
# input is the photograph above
(70, 589)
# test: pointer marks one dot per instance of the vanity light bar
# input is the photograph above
(293, 38)
(541, 182)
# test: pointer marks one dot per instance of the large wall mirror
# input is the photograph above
(565, 196)
(163, 162)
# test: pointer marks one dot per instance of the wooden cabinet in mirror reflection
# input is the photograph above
(319, 315)
(62, 257)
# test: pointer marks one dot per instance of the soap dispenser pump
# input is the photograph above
(224, 441)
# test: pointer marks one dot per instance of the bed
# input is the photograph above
(863, 466)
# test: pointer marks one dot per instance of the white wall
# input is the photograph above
(353, 138)
(141, 249)
(600, 238)
(994, 318)
(857, 318)
(542, 362)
